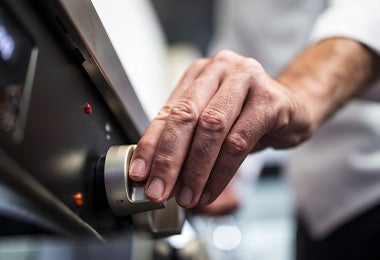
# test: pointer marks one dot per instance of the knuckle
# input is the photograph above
(198, 64)
(252, 68)
(251, 64)
(195, 67)
(266, 95)
(282, 121)
(236, 144)
(184, 111)
(213, 119)
(163, 113)
(147, 143)
(225, 56)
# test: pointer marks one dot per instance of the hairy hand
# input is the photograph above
(222, 109)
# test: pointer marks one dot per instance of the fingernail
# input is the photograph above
(155, 189)
(137, 168)
(186, 196)
(205, 198)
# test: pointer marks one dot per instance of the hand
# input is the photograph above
(226, 107)
(222, 109)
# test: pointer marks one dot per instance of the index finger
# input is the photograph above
(143, 155)
(178, 133)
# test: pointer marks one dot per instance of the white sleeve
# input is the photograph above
(358, 20)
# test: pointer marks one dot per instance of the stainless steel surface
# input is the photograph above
(85, 32)
(124, 196)
(162, 222)
(168, 221)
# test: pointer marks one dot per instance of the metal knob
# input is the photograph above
(168, 221)
(124, 196)
(163, 222)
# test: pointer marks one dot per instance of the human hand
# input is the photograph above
(222, 109)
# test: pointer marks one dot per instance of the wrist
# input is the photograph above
(327, 75)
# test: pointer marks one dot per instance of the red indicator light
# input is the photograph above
(88, 108)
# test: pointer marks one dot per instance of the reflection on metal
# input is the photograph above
(168, 221)
(162, 222)
(68, 162)
(46, 207)
(124, 196)
(18, 58)
(108, 129)
(86, 33)
(7, 44)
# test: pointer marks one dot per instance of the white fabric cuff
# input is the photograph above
(358, 20)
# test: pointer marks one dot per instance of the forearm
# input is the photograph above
(328, 74)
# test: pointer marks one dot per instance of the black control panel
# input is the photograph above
(58, 116)
(17, 64)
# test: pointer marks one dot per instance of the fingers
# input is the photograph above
(142, 158)
(242, 138)
(218, 113)
(213, 126)
(214, 143)
(178, 132)
(263, 113)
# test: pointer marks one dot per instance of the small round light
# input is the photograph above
(78, 198)
(88, 108)
(226, 237)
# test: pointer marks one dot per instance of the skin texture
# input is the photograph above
(228, 106)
